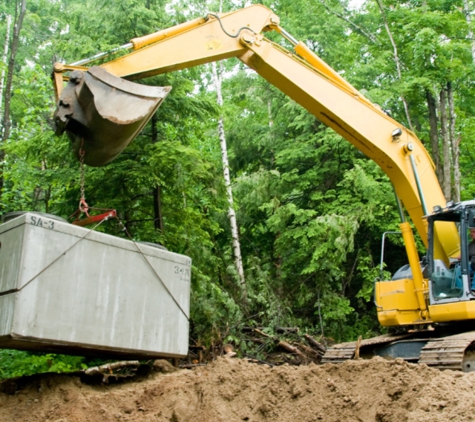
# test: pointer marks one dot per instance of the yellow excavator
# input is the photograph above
(428, 303)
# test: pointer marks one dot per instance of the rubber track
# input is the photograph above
(447, 352)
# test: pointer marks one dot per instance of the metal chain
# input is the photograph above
(82, 153)
(83, 207)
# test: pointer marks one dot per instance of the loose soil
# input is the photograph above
(236, 390)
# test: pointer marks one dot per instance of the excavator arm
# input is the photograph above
(305, 78)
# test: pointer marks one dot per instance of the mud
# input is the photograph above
(237, 390)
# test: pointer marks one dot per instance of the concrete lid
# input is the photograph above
(47, 223)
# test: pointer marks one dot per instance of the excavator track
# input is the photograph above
(452, 352)
(456, 352)
(345, 351)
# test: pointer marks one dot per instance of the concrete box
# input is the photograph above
(68, 289)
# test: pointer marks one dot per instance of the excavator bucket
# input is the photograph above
(102, 113)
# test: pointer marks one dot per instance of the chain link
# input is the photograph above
(83, 207)
(82, 153)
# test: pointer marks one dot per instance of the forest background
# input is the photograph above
(310, 209)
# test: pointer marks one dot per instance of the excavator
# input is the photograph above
(428, 306)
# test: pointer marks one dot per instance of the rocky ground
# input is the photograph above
(236, 390)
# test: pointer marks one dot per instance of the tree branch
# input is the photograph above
(354, 25)
(396, 60)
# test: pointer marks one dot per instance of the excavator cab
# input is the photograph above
(452, 280)
(102, 113)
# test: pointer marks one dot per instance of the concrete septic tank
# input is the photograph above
(68, 289)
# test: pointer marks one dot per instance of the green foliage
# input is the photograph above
(14, 363)
(214, 311)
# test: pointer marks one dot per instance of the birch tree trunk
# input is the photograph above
(269, 113)
(227, 181)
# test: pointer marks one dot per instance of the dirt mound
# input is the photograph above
(236, 390)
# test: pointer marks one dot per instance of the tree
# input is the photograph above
(5, 55)
(20, 12)
(227, 182)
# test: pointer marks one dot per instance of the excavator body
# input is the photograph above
(442, 335)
